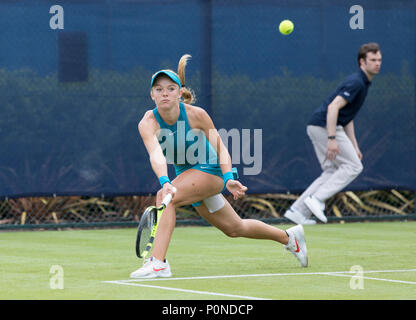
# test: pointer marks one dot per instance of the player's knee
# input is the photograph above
(231, 233)
(176, 202)
(179, 200)
(234, 231)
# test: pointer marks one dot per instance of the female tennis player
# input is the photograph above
(203, 170)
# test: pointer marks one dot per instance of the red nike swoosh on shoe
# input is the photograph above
(157, 270)
(297, 247)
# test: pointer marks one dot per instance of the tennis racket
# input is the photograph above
(148, 226)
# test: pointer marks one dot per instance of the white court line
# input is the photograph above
(264, 275)
(371, 278)
(187, 291)
(133, 282)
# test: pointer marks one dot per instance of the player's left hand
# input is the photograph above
(236, 189)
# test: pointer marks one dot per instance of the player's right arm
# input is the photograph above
(148, 128)
(331, 124)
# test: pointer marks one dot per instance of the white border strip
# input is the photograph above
(186, 290)
(379, 279)
(263, 275)
(133, 282)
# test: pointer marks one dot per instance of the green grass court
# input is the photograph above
(208, 265)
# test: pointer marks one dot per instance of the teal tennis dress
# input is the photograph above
(187, 148)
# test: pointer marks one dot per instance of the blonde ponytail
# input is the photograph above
(187, 94)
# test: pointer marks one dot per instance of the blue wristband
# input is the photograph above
(163, 180)
(227, 176)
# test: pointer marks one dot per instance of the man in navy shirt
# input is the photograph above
(331, 130)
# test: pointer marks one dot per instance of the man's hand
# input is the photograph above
(332, 149)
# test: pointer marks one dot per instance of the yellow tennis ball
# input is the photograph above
(286, 27)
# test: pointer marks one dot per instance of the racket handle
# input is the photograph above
(166, 200)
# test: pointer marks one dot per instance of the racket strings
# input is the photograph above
(146, 239)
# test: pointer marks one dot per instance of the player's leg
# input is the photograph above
(231, 224)
(192, 186)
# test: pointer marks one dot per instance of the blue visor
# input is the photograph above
(170, 74)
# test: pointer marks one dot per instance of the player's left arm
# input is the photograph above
(350, 131)
(201, 120)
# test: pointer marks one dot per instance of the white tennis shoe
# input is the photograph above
(153, 268)
(317, 207)
(297, 217)
(297, 244)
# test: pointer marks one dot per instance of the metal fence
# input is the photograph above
(82, 212)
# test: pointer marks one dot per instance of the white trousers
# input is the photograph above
(337, 174)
